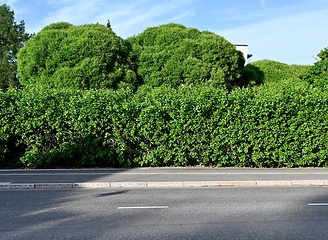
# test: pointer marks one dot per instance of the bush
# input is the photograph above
(317, 75)
(273, 71)
(79, 57)
(176, 55)
(10, 149)
(275, 125)
(280, 125)
(64, 128)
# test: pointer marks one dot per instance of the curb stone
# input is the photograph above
(177, 184)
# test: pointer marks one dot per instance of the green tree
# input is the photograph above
(90, 56)
(176, 55)
(317, 74)
(12, 38)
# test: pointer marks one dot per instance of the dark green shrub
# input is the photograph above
(10, 149)
(65, 128)
(176, 55)
(251, 76)
(79, 57)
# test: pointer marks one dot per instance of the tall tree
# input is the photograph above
(90, 56)
(175, 55)
(12, 38)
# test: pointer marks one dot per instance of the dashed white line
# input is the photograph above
(318, 204)
(144, 207)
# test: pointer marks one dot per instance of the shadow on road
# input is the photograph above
(58, 176)
(203, 213)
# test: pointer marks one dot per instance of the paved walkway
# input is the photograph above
(161, 177)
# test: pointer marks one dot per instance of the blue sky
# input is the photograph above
(288, 31)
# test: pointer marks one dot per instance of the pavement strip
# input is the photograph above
(162, 173)
(259, 183)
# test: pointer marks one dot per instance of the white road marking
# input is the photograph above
(144, 207)
(318, 204)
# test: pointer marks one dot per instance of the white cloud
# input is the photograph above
(146, 15)
(74, 13)
(126, 17)
(293, 40)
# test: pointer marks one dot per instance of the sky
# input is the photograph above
(287, 31)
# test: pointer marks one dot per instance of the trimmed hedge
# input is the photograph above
(274, 125)
(64, 128)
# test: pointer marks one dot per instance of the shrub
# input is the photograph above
(79, 57)
(281, 125)
(273, 125)
(64, 128)
(10, 149)
(317, 75)
(176, 55)
(273, 71)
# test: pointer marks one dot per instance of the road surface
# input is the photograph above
(165, 213)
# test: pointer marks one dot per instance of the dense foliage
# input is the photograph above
(80, 105)
(12, 38)
(274, 125)
(175, 55)
(265, 71)
(317, 75)
(42, 127)
(91, 56)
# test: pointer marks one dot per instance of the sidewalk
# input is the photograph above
(161, 177)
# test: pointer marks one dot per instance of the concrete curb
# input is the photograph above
(175, 184)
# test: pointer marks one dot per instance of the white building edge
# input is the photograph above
(244, 49)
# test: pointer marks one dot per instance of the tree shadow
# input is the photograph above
(251, 76)
(212, 213)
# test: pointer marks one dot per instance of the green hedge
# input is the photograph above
(269, 126)
(274, 125)
(63, 128)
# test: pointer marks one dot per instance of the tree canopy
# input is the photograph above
(12, 38)
(89, 56)
(176, 55)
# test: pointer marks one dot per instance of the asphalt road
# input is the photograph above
(165, 213)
